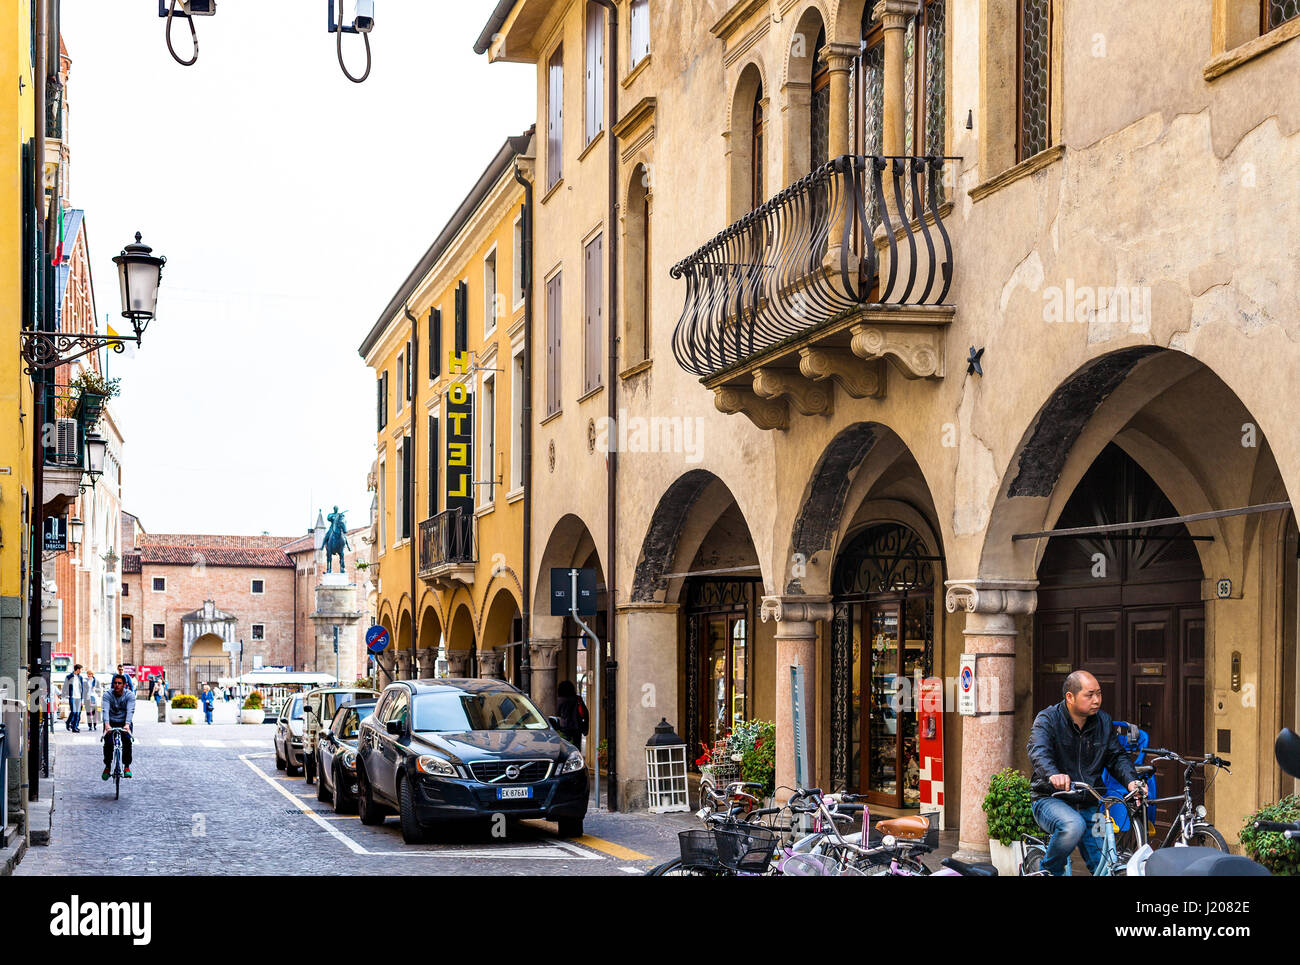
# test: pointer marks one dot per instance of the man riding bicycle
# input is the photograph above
(119, 712)
(1074, 741)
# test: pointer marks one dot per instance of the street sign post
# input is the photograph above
(573, 593)
(376, 640)
(336, 654)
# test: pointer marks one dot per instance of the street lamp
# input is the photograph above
(139, 274)
(96, 447)
(74, 530)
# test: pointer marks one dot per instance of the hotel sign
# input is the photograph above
(459, 446)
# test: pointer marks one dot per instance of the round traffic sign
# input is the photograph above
(967, 678)
(376, 639)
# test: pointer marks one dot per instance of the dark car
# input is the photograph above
(336, 756)
(452, 750)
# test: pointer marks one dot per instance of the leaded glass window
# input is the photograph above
(1035, 88)
(1278, 12)
(820, 121)
(936, 109)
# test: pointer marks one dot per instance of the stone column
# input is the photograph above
(490, 663)
(647, 688)
(458, 663)
(404, 664)
(839, 60)
(796, 643)
(544, 656)
(893, 16)
(426, 659)
(988, 738)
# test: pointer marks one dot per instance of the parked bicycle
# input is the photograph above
(734, 841)
(1189, 826)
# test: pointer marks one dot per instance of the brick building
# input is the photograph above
(189, 601)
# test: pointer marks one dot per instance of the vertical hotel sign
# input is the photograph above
(459, 448)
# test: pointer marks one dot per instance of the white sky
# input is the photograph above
(290, 204)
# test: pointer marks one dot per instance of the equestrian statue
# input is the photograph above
(336, 541)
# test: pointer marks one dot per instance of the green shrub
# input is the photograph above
(1007, 807)
(185, 702)
(1274, 852)
(755, 741)
(187, 720)
(253, 701)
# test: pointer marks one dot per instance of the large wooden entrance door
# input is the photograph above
(1127, 609)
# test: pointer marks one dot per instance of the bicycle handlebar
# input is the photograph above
(1280, 827)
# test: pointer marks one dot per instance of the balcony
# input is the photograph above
(448, 543)
(842, 270)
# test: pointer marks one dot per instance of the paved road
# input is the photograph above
(208, 800)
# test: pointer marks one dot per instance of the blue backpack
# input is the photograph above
(1134, 739)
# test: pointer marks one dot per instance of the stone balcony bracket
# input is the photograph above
(764, 413)
(859, 378)
(917, 349)
(809, 397)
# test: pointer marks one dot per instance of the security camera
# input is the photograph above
(365, 18)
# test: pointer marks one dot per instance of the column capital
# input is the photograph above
(543, 654)
(457, 662)
(795, 609)
(838, 56)
(893, 14)
(1012, 597)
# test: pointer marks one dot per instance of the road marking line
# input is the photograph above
(610, 848)
(631, 871)
(169, 742)
(208, 743)
(560, 850)
(253, 743)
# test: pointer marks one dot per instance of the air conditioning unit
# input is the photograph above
(66, 450)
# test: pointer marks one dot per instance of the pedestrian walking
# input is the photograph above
(572, 713)
(160, 698)
(130, 684)
(94, 696)
(74, 688)
(207, 700)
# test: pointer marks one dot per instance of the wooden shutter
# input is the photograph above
(592, 327)
(554, 115)
(639, 32)
(553, 346)
(595, 101)
(410, 371)
(407, 470)
(379, 403)
(462, 318)
(435, 343)
(383, 400)
(433, 466)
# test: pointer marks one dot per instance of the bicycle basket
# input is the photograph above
(810, 865)
(699, 850)
(747, 850)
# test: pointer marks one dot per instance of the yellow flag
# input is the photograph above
(128, 348)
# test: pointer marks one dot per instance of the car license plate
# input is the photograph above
(510, 793)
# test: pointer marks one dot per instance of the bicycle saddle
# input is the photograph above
(978, 869)
(906, 827)
(1200, 863)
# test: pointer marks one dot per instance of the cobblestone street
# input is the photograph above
(209, 800)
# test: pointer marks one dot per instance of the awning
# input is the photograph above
(272, 678)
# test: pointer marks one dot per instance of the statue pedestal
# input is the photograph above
(336, 606)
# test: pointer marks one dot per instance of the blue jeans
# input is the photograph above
(1069, 827)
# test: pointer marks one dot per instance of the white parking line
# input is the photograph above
(557, 850)
(630, 870)
(208, 743)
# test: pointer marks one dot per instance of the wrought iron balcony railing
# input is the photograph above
(447, 539)
(860, 230)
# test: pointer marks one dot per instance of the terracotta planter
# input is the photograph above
(250, 715)
(177, 716)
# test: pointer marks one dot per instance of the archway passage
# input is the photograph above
(501, 648)
(460, 643)
(1127, 608)
(208, 662)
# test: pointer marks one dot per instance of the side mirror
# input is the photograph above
(554, 722)
(395, 728)
(325, 734)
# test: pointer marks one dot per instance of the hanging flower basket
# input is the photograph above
(89, 407)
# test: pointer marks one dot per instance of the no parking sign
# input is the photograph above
(966, 685)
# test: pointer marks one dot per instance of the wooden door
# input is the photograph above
(882, 757)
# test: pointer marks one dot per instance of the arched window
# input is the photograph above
(636, 269)
(758, 130)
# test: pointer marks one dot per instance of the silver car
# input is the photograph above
(288, 736)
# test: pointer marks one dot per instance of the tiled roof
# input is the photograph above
(202, 539)
(213, 556)
(131, 563)
(304, 543)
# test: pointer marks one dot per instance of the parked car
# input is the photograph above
(436, 751)
(318, 709)
(288, 736)
(336, 755)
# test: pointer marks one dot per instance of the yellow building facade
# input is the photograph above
(448, 356)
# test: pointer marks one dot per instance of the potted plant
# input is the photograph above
(1272, 850)
(184, 708)
(755, 742)
(88, 392)
(1007, 806)
(252, 711)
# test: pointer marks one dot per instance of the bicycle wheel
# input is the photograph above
(1207, 836)
(1033, 861)
(675, 869)
(117, 783)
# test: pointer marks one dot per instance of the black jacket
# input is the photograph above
(1057, 746)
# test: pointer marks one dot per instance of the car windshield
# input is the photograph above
(455, 712)
(352, 718)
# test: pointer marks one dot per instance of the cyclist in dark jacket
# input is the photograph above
(119, 711)
(1074, 741)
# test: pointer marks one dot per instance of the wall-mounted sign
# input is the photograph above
(56, 534)
(966, 685)
(562, 589)
(459, 444)
(1223, 589)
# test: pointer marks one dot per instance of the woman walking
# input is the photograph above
(94, 698)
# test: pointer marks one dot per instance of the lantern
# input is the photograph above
(665, 767)
(139, 272)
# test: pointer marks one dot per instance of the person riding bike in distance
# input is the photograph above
(1074, 741)
(119, 711)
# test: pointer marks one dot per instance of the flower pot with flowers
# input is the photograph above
(88, 391)
(252, 712)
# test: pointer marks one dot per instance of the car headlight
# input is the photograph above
(573, 763)
(350, 760)
(428, 764)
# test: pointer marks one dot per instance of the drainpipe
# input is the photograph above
(526, 281)
(610, 664)
(413, 385)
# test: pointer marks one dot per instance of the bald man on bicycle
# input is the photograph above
(1074, 741)
(119, 712)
